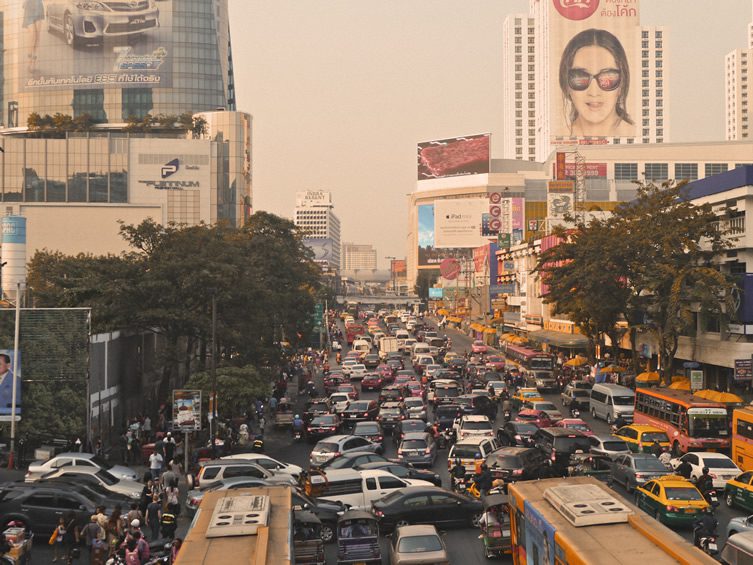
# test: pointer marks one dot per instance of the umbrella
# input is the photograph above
(680, 385)
(613, 369)
(648, 377)
(724, 397)
(705, 393)
(577, 361)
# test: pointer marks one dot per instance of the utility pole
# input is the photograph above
(392, 272)
(213, 371)
(15, 374)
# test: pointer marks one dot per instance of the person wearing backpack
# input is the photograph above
(132, 553)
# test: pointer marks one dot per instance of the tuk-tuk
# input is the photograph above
(358, 539)
(307, 538)
(284, 413)
(495, 526)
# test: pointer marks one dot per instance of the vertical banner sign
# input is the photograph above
(696, 380)
(10, 370)
(594, 68)
(495, 223)
(559, 172)
(517, 219)
(560, 199)
(187, 410)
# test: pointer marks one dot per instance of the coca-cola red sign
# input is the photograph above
(450, 268)
(576, 9)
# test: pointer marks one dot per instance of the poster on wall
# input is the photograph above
(594, 66)
(9, 371)
(186, 410)
(467, 155)
(66, 44)
(428, 253)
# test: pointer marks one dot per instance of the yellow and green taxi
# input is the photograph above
(672, 499)
(739, 491)
(523, 395)
(641, 437)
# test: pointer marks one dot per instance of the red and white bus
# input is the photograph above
(692, 424)
(529, 359)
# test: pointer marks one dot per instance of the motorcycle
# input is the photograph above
(712, 497)
(297, 435)
(705, 541)
(258, 445)
(460, 486)
(506, 416)
(574, 413)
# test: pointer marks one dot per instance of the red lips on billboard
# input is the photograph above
(449, 268)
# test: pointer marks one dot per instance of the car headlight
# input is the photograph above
(135, 495)
(90, 5)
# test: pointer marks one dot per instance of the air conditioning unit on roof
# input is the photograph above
(239, 515)
(586, 505)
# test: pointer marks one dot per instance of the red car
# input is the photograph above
(386, 372)
(332, 381)
(350, 390)
(479, 346)
(496, 362)
(415, 389)
(538, 418)
(371, 381)
(575, 424)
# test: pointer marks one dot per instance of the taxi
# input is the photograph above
(640, 437)
(672, 500)
(450, 355)
(739, 491)
(523, 395)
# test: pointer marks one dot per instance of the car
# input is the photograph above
(523, 395)
(721, 468)
(358, 371)
(395, 364)
(218, 469)
(559, 444)
(315, 407)
(552, 411)
(331, 382)
(348, 389)
(518, 464)
(641, 437)
(371, 360)
(496, 362)
(360, 410)
(739, 524)
(85, 23)
(338, 402)
(391, 393)
(403, 471)
(635, 469)
(428, 504)
(335, 446)
(39, 468)
(370, 430)
(672, 500)
(91, 488)
(417, 544)
(739, 491)
(371, 381)
(536, 417)
(390, 413)
(477, 404)
(417, 448)
(446, 414)
(471, 425)
(123, 487)
(196, 495)
(573, 397)
(575, 424)
(544, 381)
(607, 444)
(469, 450)
(269, 463)
(347, 365)
(353, 460)
(407, 426)
(479, 346)
(415, 408)
(323, 426)
(431, 370)
(516, 434)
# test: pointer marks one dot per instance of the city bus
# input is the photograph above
(692, 424)
(352, 330)
(577, 521)
(742, 438)
(529, 359)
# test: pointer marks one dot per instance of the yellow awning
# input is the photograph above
(649, 377)
(454, 319)
(477, 327)
(490, 330)
(442, 312)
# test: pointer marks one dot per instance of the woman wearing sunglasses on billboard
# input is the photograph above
(595, 77)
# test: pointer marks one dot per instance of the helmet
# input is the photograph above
(478, 455)
(297, 416)
(457, 461)
(135, 523)
(705, 470)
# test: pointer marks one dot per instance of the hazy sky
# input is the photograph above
(341, 91)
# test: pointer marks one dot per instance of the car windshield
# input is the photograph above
(577, 426)
(366, 428)
(718, 463)
(708, 425)
(506, 461)
(654, 436)
(318, 407)
(465, 451)
(580, 392)
(324, 420)
(572, 444)
(523, 428)
(623, 400)
(107, 477)
(477, 426)
(446, 392)
(325, 447)
(414, 403)
(682, 493)
(413, 426)
(419, 544)
(340, 398)
(614, 445)
(358, 406)
(97, 460)
(413, 444)
(649, 464)
(545, 406)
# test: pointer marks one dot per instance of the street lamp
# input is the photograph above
(392, 271)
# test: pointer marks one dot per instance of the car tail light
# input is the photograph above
(671, 508)
(399, 451)
(639, 476)
(378, 513)
(337, 454)
(517, 472)
(365, 413)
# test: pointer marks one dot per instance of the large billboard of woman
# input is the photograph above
(594, 69)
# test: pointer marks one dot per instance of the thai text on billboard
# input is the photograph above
(63, 44)
(457, 222)
(594, 69)
(468, 155)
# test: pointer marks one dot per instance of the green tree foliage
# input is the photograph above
(237, 388)
(425, 280)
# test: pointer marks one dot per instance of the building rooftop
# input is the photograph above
(735, 178)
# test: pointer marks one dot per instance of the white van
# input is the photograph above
(609, 401)
(420, 348)
(362, 346)
(356, 489)
(401, 336)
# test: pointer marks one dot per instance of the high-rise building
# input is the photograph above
(119, 111)
(314, 215)
(738, 90)
(356, 257)
(528, 87)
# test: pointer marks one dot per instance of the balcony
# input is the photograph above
(732, 227)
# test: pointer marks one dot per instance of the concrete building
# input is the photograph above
(526, 86)
(357, 257)
(738, 90)
(314, 215)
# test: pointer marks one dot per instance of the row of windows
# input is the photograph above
(660, 171)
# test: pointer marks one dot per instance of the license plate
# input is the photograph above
(690, 511)
(712, 546)
(505, 533)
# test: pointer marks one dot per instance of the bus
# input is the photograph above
(742, 438)
(692, 424)
(529, 359)
(577, 521)
(352, 330)
(267, 538)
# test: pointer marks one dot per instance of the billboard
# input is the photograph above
(594, 65)
(398, 267)
(457, 222)
(480, 258)
(468, 155)
(428, 253)
(187, 410)
(66, 44)
(323, 248)
(9, 371)
(436, 293)
(560, 199)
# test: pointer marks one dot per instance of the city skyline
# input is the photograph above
(354, 69)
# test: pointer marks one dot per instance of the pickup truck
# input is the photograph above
(356, 489)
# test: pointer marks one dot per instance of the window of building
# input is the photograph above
(659, 103)
(626, 171)
(644, 74)
(645, 92)
(659, 123)
(518, 49)
(645, 102)
(656, 171)
(518, 40)
(136, 102)
(644, 54)
(644, 34)
(518, 76)
(687, 171)
(660, 132)
(660, 112)
(659, 93)
(659, 64)
(646, 140)
(90, 101)
(644, 64)
(659, 84)
(659, 54)
(644, 44)
(657, 34)
(659, 73)
(715, 168)
(646, 112)
(645, 123)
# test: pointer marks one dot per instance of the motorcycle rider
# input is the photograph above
(705, 526)
(619, 422)
(684, 469)
(297, 424)
(665, 457)
(656, 448)
(484, 479)
(705, 483)
(457, 473)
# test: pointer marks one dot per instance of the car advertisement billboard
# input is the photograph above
(595, 70)
(70, 44)
(468, 155)
(428, 253)
(186, 410)
(9, 371)
(457, 222)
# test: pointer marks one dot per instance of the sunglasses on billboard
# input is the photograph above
(608, 79)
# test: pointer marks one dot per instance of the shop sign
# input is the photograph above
(744, 369)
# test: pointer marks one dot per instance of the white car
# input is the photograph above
(358, 371)
(431, 370)
(270, 464)
(338, 402)
(39, 468)
(471, 425)
(336, 346)
(721, 467)
(347, 366)
(78, 473)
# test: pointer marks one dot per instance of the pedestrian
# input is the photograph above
(58, 548)
(172, 493)
(153, 516)
(114, 531)
(169, 447)
(134, 513)
(155, 464)
(147, 428)
(94, 538)
(169, 475)
(72, 534)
